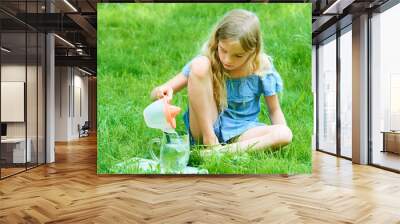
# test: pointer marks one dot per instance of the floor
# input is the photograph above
(387, 159)
(8, 171)
(70, 191)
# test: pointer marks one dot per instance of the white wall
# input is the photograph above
(81, 81)
(61, 103)
(34, 125)
(12, 73)
(68, 83)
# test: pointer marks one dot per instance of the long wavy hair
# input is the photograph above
(243, 26)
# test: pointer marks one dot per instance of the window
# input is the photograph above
(346, 93)
(327, 96)
(385, 89)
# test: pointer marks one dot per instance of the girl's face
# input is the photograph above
(232, 55)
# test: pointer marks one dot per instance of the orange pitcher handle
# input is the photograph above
(170, 112)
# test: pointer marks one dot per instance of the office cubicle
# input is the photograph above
(22, 77)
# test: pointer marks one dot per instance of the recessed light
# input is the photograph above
(86, 72)
(5, 49)
(70, 5)
(338, 6)
(64, 40)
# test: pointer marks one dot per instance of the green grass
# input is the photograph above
(143, 45)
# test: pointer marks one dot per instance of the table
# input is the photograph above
(15, 148)
(391, 141)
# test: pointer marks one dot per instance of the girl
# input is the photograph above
(224, 85)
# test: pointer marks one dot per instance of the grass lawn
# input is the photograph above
(141, 46)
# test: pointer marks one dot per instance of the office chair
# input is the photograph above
(84, 130)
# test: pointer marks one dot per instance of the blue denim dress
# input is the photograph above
(243, 98)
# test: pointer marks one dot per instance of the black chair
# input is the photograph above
(84, 130)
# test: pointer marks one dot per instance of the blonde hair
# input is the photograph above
(241, 25)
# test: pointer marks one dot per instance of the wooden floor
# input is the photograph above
(10, 171)
(70, 191)
(387, 159)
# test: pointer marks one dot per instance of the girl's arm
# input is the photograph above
(177, 82)
(274, 108)
(171, 86)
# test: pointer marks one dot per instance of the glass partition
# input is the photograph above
(22, 77)
(327, 96)
(14, 153)
(35, 52)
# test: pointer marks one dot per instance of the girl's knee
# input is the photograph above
(200, 80)
(285, 134)
(200, 68)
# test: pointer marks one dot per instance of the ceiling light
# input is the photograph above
(338, 6)
(65, 41)
(86, 72)
(5, 49)
(71, 6)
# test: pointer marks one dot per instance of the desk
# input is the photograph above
(16, 147)
(391, 141)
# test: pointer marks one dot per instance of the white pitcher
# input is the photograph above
(161, 115)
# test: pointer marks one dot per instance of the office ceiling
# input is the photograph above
(74, 22)
(331, 15)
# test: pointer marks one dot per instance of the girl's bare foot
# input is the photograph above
(214, 150)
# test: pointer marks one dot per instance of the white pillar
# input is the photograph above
(50, 94)
(360, 90)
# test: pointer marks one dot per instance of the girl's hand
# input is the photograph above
(162, 91)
